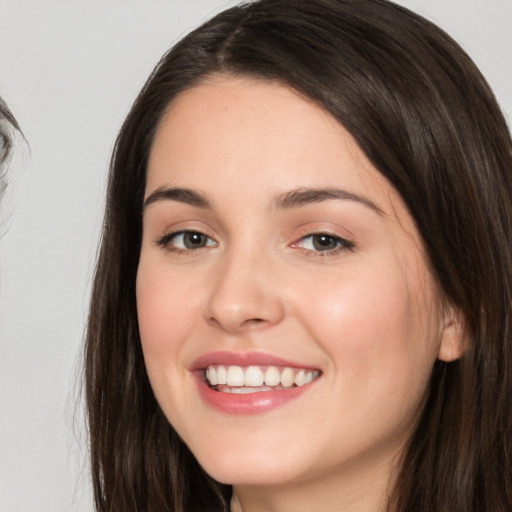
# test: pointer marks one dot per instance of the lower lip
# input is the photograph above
(248, 403)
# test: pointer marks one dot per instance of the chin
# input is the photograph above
(249, 477)
(250, 468)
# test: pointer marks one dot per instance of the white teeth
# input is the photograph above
(211, 375)
(300, 378)
(235, 376)
(222, 375)
(287, 377)
(272, 376)
(253, 379)
(245, 390)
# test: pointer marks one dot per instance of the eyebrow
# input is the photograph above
(292, 199)
(181, 195)
(305, 196)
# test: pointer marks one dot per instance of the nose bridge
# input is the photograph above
(244, 294)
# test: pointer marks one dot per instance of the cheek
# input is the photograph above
(355, 310)
(167, 309)
(152, 307)
(380, 335)
(167, 312)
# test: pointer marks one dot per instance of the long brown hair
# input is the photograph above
(426, 118)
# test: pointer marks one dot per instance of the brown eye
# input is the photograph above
(186, 241)
(193, 240)
(324, 242)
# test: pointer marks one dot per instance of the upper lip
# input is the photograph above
(243, 359)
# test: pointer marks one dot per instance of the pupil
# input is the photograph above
(193, 240)
(324, 242)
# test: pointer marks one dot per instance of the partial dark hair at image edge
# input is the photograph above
(8, 125)
(426, 118)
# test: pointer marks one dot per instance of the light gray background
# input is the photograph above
(69, 70)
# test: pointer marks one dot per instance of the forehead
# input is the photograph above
(250, 121)
(258, 134)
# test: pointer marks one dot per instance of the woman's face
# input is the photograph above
(288, 318)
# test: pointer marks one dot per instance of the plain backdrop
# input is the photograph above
(70, 70)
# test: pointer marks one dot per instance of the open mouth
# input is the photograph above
(256, 379)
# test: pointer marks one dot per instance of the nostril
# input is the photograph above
(254, 321)
(238, 326)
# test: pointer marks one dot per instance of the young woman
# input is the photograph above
(303, 294)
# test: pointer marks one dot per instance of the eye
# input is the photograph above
(323, 242)
(186, 241)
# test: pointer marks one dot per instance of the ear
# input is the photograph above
(452, 338)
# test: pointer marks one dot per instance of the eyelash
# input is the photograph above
(341, 244)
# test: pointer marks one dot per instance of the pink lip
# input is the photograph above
(250, 403)
(242, 359)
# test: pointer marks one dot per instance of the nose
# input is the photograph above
(244, 294)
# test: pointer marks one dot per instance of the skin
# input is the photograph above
(369, 316)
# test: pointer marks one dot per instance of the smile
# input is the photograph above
(249, 383)
(255, 379)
